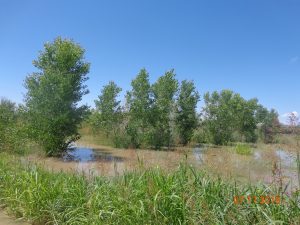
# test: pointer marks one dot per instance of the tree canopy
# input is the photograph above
(53, 94)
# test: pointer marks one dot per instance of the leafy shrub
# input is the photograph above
(243, 149)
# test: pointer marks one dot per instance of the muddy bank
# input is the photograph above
(6, 220)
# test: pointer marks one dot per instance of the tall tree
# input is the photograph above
(53, 94)
(162, 116)
(229, 117)
(139, 103)
(186, 116)
(246, 125)
(218, 116)
(108, 109)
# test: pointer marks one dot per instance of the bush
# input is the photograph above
(12, 127)
(243, 149)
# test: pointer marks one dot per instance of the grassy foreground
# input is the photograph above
(140, 197)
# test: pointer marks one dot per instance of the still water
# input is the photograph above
(257, 167)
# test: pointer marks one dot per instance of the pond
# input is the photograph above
(89, 155)
(257, 167)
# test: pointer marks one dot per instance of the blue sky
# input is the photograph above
(249, 46)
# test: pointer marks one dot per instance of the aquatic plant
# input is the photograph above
(243, 149)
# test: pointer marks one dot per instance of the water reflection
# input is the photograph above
(198, 153)
(80, 154)
(285, 158)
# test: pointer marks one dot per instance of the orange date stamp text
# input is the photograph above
(237, 200)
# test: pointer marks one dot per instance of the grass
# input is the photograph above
(243, 149)
(140, 197)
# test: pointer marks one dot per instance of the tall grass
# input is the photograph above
(140, 197)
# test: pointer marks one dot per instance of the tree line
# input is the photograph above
(165, 114)
(158, 115)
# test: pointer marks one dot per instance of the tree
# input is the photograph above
(268, 123)
(229, 117)
(219, 117)
(247, 123)
(7, 124)
(162, 111)
(53, 94)
(139, 104)
(186, 116)
(108, 109)
(293, 121)
(12, 127)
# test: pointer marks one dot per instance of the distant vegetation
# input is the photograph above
(164, 115)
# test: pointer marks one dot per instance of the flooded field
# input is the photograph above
(264, 165)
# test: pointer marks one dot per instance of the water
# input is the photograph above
(83, 155)
(221, 161)
(286, 159)
(198, 153)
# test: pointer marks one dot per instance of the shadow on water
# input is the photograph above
(80, 154)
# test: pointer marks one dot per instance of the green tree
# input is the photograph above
(229, 117)
(218, 116)
(8, 119)
(108, 110)
(246, 122)
(12, 127)
(163, 109)
(53, 94)
(186, 116)
(139, 105)
(268, 123)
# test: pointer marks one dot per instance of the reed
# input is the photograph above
(145, 196)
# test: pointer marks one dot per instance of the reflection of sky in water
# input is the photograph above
(257, 155)
(198, 153)
(285, 158)
(80, 154)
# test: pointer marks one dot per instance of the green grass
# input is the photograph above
(140, 197)
(243, 149)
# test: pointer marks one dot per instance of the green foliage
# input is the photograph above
(243, 149)
(163, 110)
(186, 116)
(53, 94)
(139, 106)
(141, 197)
(268, 124)
(108, 115)
(154, 116)
(12, 127)
(226, 113)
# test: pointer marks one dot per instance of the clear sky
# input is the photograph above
(249, 46)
